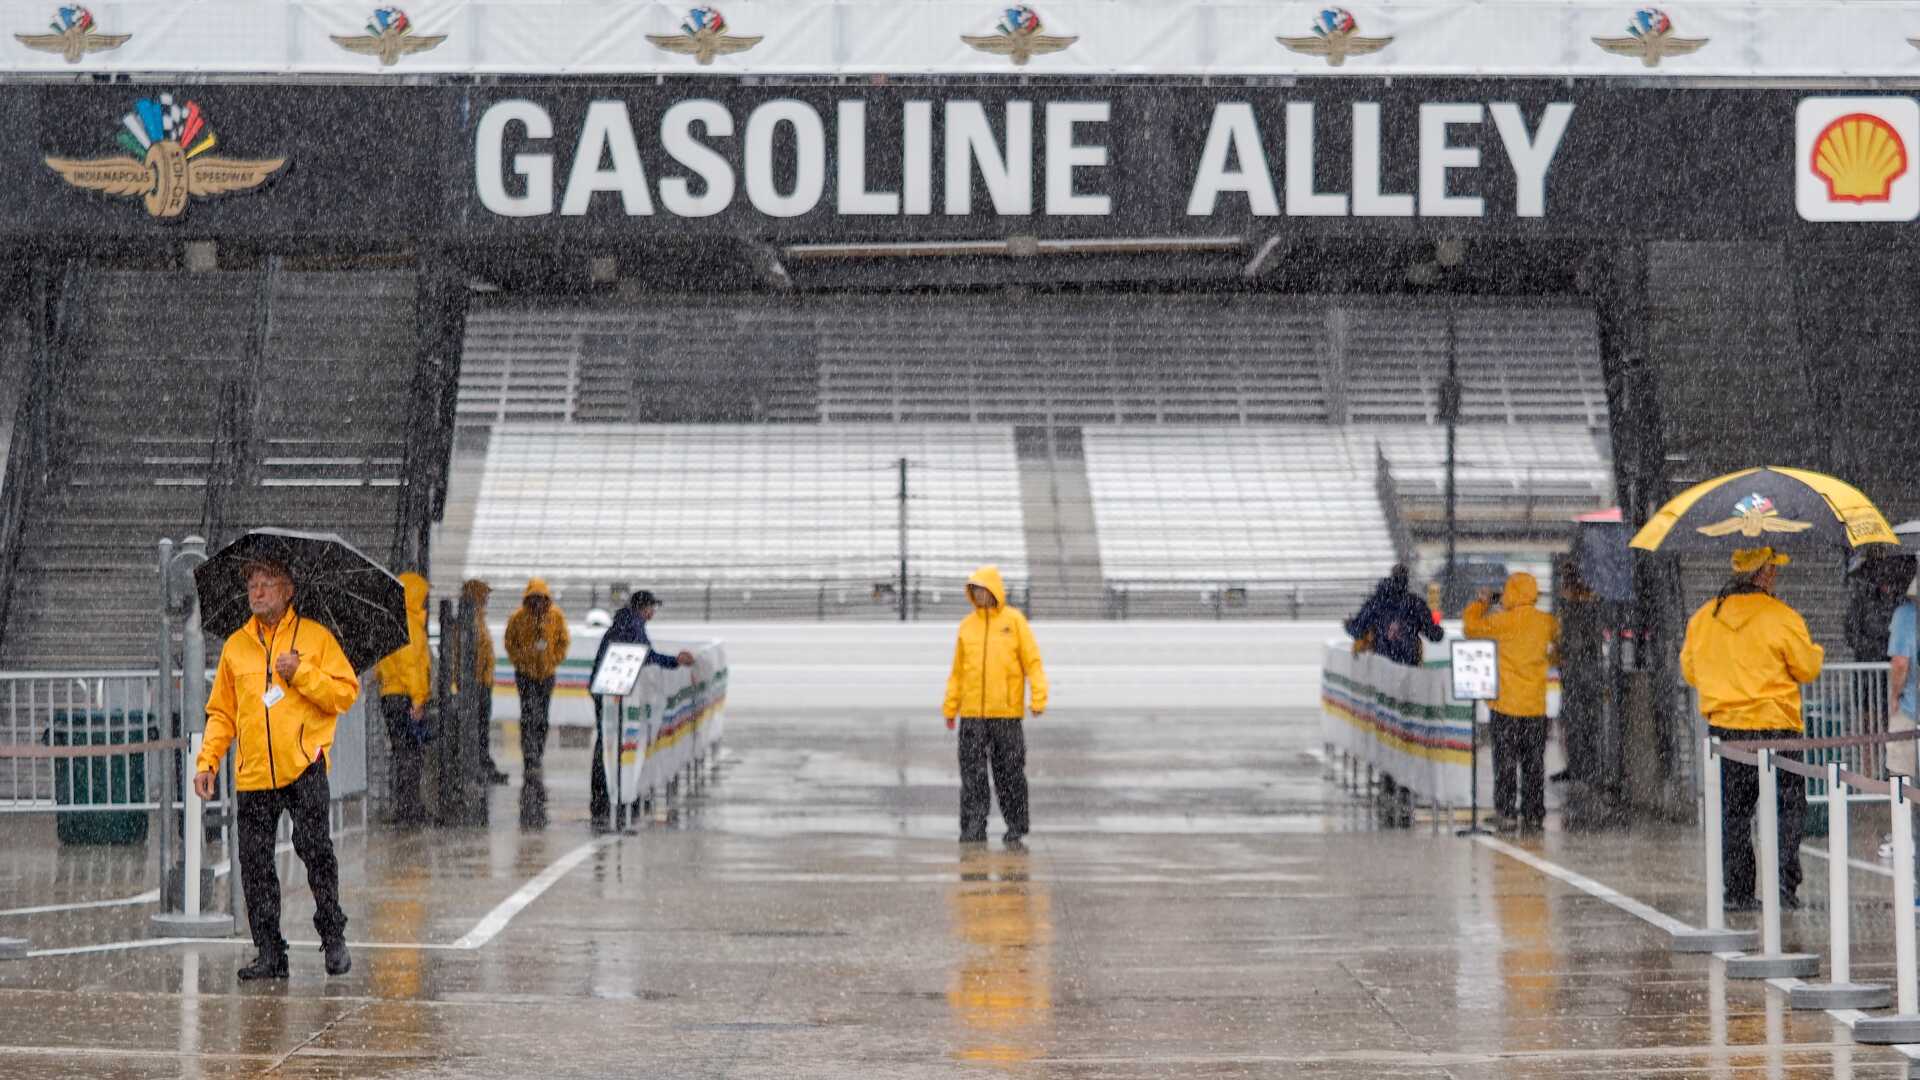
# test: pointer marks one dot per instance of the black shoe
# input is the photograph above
(981, 839)
(499, 778)
(1741, 903)
(265, 966)
(338, 962)
(1791, 901)
(1559, 777)
(1014, 836)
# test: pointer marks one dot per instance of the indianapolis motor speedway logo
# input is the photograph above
(167, 160)
(1753, 516)
(1019, 36)
(1336, 36)
(703, 36)
(75, 34)
(389, 36)
(1650, 38)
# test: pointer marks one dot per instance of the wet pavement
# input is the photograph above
(1196, 900)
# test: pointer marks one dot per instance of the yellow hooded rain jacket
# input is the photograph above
(537, 646)
(274, 744)
(408, 670)
(1529, 639)
(994, 658)
(1748, 656)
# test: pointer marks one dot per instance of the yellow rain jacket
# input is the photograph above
(994, 658)
(1529, 640)
(275, 744)
(408, 670)
(1748, 661)
(536, 646)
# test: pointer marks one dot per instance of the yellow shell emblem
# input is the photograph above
(1859, 156)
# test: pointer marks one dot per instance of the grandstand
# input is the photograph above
(780, 519)
(284, 402)
(1177, 453)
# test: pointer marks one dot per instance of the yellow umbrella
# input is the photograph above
(1788, 509)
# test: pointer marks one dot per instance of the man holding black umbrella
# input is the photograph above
(282, 683)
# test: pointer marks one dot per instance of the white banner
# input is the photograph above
(1401, 720)
(671, 719)
(878, 37)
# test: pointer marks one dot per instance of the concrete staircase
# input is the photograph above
(1063, 549)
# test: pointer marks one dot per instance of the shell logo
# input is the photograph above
(1859, 156)
(1853, 158)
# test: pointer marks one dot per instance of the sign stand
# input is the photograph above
(618, 672)
(1476, 678)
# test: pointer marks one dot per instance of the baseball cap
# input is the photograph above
(1752, 560)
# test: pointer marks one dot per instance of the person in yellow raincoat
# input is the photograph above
(281, 686)
(1748, 653)
(406, 682)
(1528, 639)
(537, 641)
(995, 660)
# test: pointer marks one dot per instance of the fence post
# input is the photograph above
(1904, 1026)
(1840, 991)
(706, 610)
(1716, 937)
(1771, 963)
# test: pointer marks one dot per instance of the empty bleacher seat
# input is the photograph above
(749, 505)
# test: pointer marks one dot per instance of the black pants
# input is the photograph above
(1519, 766)
(1003, 745)
(408, 756)
(535, 696)
(259, 820)
(599, 804)
(1739, 796)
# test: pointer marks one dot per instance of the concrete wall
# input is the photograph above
(1189, 666)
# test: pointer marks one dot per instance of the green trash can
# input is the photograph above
(95, 781)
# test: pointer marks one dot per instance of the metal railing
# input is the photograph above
(1846, 699)
(81, 741)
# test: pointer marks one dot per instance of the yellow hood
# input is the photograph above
(1523, 590)
(988, 578)
(536, 587)
(416, 590)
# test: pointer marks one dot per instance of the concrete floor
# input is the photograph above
(1196, 901)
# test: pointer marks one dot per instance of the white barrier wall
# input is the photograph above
(671, 719)
(1401, 720)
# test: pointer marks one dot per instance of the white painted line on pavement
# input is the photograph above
(1670, 924)
(497, 919)
(1587, 885)
(488, 928)
(151, 896)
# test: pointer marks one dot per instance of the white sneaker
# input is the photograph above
(1886, 849)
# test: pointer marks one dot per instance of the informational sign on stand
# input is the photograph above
(1476, 670)
(620, 670)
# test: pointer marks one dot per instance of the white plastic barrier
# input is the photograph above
(1400, 720)
(672, 720)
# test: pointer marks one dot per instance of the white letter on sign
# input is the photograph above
(1302, 200)
(1064, 156)
(676, 137)
(1368, 199)
(606, 133)
(1436, 157)
(852, 159)
(1531, 157)
(1234, 134)
(1009, 177)
(809, 158)
(490, 144)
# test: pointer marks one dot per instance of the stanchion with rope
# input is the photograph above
(1770, 962)
(1717, 937)
(1904, 1026)
(1840, 991)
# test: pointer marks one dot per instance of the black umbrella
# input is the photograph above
(333, 584)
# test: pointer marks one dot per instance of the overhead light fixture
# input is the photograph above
(1019, 247)
(1450, 251)
(604, 269)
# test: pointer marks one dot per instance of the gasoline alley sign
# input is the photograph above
(892, 160)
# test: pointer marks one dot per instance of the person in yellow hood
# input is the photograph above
(477, 591)
(1528, 639)
(1747, 653)
(995, 660)
(406, 681)
(282, 683)
(537, 641)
